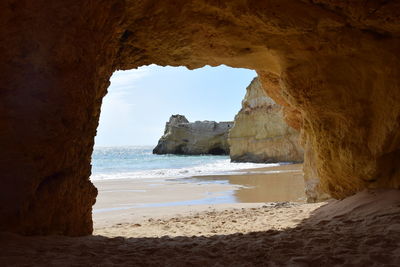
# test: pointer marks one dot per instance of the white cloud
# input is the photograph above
(125, 79)
(119, 97)
(140, 101)
(118, 105)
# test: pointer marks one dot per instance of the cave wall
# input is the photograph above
(52, 83)
(337, 63)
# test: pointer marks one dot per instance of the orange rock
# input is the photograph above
(337, 63)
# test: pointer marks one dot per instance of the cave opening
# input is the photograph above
(218, 150)
(133, 116)
(132, 173)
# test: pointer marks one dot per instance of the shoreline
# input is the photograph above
(133, 200)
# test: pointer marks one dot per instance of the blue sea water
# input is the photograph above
(133, 162)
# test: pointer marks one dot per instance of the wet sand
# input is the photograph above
(271, 184)
(155, 222)
(127, 201)
(362, 230)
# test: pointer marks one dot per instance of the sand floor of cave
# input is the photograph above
(362, 230)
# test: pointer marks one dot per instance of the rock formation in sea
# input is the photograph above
(260, 132)
(337, 63)
(194, 138)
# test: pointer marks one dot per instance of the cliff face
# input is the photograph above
(260, 133)
(337, 64)
(194, 138)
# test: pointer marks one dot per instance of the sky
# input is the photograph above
(140, 101)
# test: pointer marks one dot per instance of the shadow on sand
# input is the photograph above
(362, 234)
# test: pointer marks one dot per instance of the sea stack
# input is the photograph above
(260, 133)
(194, 138)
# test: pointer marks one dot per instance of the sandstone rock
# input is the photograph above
(194, 138)
(313, 188)
(338, 64)
(260, 133)
(293, 117)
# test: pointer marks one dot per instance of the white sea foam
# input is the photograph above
(219, 167)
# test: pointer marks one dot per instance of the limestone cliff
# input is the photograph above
(260, 133)
(193, 138)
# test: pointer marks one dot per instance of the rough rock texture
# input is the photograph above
(293, 117)
(194, 138)
(313, 187)
(338, 64)
(260, 133)
(53, 79)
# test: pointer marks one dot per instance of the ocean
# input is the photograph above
(134, 162)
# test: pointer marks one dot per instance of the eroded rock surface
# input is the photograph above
(194, 138)
(337, 63)
(260, 133)
(314, 190)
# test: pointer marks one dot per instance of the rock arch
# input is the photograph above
(337, 64)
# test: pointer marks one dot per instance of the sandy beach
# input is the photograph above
(134, 200)
(362, 230)
(154, 222)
